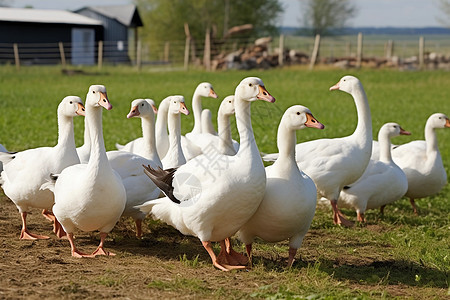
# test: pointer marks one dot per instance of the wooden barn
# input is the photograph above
(37, 34)
(120, 23)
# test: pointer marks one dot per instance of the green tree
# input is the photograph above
(322, 15)
(164, 20)
(444, 8)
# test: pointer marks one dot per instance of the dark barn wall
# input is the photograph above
(114, 31)
(44, 37)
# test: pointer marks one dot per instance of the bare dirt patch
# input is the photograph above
(166, 264)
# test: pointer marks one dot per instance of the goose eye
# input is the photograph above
(229, 101)
(142, 104)
(250, 84)
(70, 102)
(298, 113)
(93, 92)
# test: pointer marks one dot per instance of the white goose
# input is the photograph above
(289, 204)
(174, 156)
(24, 172)
(422, 162)
(207, 125)
(223, 142)
(213, 199)
(139, 145)
(335, 163)
(129, 165)
(383, 181)
(190, 149)
(90, 196)
(204, 89)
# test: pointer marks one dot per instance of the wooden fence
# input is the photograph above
(354, 51)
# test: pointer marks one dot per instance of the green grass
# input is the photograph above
(372, 261)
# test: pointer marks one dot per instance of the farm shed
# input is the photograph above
(37, 34)
(120, 23)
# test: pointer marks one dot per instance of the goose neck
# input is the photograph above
(175, 135)
(66, 137)
(286, 140)
(244, 125)
(431, 139)
(224, 131)
(385, 148)
(98, 156)
(363, 129)
(197, 111)
(148, 134)
(161, 120)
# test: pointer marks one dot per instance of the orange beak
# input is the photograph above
(104, 101)
(335, 87)
(183, 108)
(447, 124)
(80, 111)
(134, 112)
(155, 110)
(212, 94)
(404, 132)
(312, 122)
(264, 95)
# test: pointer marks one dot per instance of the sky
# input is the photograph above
(370, 13)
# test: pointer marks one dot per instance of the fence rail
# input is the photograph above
(189, 53)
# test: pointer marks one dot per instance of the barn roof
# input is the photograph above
(30, 15)
(126, 14)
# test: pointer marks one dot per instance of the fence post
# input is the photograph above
(166, 51)
(138, 55)
(62, 54)
(421, 52)
(16, 56)
(281, 51)
(186, 46)
(315, 52)
(389, 49)
(100, 54)
(359, 51)
(207, 51)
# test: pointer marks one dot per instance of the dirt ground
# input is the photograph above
(153, 267)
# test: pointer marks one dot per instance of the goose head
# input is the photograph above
(71, 106)
(97, 97)
(252, 89)
(141, 107)
(226, 108)
(153, 105)
(177, 105)
(392, 130)
(438, 120)
(205, 89)
(346, 84)
(298, 117)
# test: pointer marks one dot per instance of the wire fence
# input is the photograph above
(189, 53)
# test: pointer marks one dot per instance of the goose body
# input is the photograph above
(24, 172)
(289, 203)
(422, 162)
(90, 196)
(335, 163)
(215, 197)
(138, 146)
(175, 154)
(382, 182)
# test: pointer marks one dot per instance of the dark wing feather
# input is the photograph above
(162, 179)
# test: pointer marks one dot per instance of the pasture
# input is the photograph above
(398, 255)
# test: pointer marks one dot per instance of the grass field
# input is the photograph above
(397, 256)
